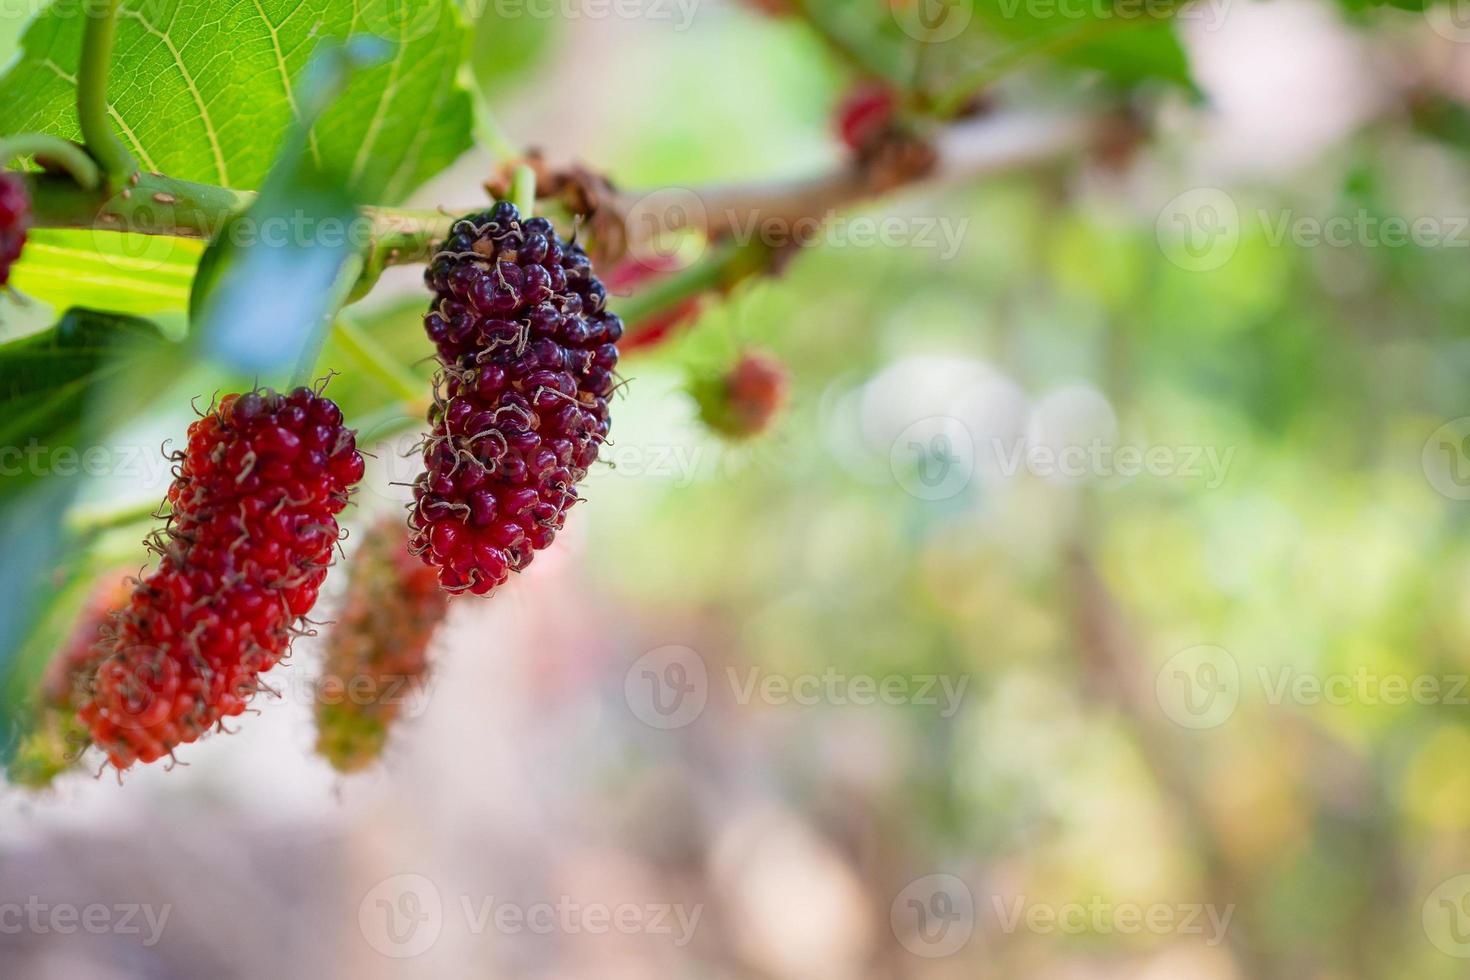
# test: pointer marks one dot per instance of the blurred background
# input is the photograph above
(1095, 608)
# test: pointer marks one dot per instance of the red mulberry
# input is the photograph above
(378, 652)
(742, 401)
(864, 114)
(247, 544)
(15, 220)
(528, 349)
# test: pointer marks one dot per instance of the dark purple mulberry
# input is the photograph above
(528, 351)
(15, 220)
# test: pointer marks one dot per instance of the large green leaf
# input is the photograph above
(262, 300)
(205, 90)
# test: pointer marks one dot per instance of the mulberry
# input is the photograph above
(863, 116)
(15, 220)
(56, 738)
(742, 401)
(247, 544)
(527, 349)
(378, 652)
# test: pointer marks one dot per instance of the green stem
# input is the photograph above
(65, 154)
(90, 521)
(151, 204)
(722, 267)
(97, 41)
(523, 190)
(363, 348)
(148, 204)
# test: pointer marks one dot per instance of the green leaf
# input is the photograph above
(264, 300)
(1126, 44)
(44, 377)
(126, 273)
(199, 90)
(1127, 41)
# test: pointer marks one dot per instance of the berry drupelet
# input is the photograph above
(528, 350)
(250, 535)
(15, 220)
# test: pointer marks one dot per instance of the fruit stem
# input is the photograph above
(65, 154)
(101, 141)
(363, 348)
(523, 190)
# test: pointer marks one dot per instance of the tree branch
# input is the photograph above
(963, 152)
(748, 216)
